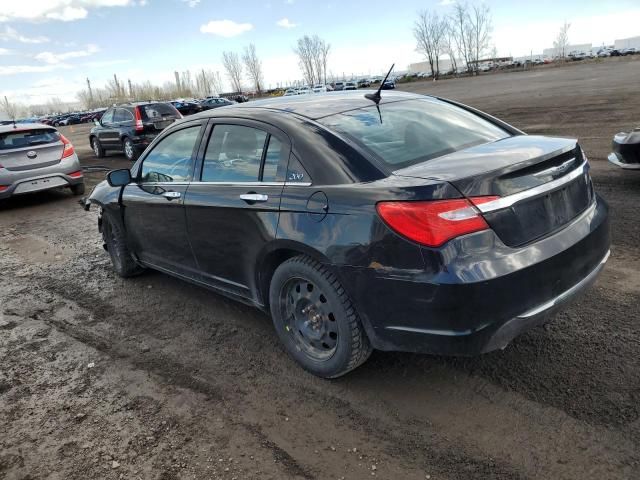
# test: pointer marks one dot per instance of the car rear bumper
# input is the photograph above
(482, 294)
(613, 158)
(47, 178)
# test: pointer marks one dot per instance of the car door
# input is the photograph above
(154, 214)
(107, 133)
(233, 208)
(123, 122)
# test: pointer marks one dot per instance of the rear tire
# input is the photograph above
(78, 189)
(121, 258)
(129, 149)
(315, 319)
(98, 151)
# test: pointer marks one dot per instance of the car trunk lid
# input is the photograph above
(543, 183)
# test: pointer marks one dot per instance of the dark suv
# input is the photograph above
(131, 127)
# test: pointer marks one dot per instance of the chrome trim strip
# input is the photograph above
(230, 184)
(613, 158)
(506, 202)
(568, 293)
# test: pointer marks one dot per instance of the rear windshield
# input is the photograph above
(28, 138)
(413, 131)
(159, 110)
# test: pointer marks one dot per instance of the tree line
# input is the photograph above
(462, 35)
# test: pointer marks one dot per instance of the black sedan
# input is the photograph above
(187, 108)
(416, 224)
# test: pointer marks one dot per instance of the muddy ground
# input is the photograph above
(152, 378)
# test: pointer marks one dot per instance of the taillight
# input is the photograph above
(3, 188)
(77, 174)
(68, 149)
(138, 115)
(433, 223)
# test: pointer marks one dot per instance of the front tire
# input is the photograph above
(121, 258)
(98, 151)
(315, 319)
(129, 149)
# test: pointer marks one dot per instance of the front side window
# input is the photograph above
(234, 154)
(107, 117)
(171, 160)
(409, 132)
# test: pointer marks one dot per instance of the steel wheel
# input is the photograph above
(96, 147)
(309, 319)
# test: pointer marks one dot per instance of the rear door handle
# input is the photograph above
(254, 197)
(171, 195)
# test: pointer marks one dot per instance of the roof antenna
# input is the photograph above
(375, 97)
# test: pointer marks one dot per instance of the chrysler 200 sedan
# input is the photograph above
(413, 223)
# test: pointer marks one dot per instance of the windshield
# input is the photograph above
(27, 138)
(413, 131)
(158, 110)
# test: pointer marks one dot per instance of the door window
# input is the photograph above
(171, 160)
(234, 154)
(274, 161)
(122, 116)
(107, 117)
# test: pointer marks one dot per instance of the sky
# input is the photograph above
(50, 47)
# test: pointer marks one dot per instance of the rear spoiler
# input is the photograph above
(496, 121)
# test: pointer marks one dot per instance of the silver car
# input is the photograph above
(35, 157)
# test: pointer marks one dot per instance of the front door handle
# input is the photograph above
(254, 197)
(171, 195)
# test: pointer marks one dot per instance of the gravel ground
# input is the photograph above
(152, 378)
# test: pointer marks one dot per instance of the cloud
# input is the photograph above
(4, 51)
(285, 23)
(289, 2)
(446, 2)
(11, 34)
(61, 10)
(54, 58)
(191, 3)
(15, 69)
(225, 28)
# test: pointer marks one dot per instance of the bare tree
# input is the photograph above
(10, 108)
(313, 55)
(449, 44)
(480, 24)
(253, 66)
(305, 50)
(233, 66)
(429, 32)
(561, 42)
(325, 48)
(461, 31)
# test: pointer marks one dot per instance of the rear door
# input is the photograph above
(108, 134)
(154, 213)
(233, 208)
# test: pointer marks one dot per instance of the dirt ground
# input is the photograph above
(152, 378)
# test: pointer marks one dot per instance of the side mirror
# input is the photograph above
(119, 178)
(96, 122)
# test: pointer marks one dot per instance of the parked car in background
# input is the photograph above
(215, 102)
(131, 127)
(388, 85)
(337, 86)
(629, 51)
(321, 88)
(304, 91)
(36, 157)
(626, 150)
(361, 228)
(187, 108)
(70, 120)
(350, 86)
(289, 92)
(364, 83)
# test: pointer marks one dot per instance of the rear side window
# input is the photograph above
(122, 116)
(410, 132)
(234, 154)
(154, 111)
(28, 138)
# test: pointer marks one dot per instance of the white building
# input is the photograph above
(632, 42)
(444, 65)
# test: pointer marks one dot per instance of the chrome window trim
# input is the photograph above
(229, 184)
(506, 202)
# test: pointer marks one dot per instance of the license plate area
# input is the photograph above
(40, 184)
